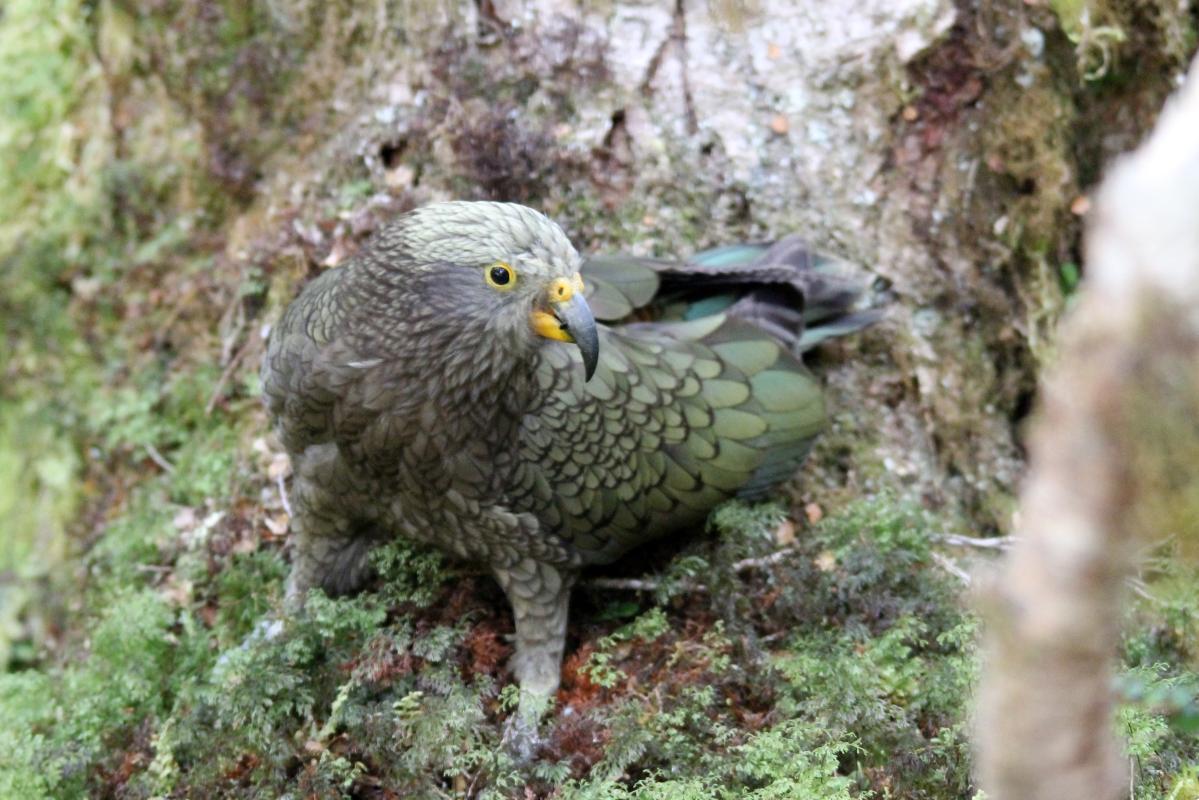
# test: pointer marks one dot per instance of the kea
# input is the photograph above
(469, 381)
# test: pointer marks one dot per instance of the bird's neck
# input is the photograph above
(478, 384)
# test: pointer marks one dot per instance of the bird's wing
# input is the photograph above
(677, 418)
(799, 296)
(615, 286)
(296, 387)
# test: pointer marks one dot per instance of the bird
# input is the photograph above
(470, 381)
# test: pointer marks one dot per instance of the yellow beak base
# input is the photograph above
(547, 325)
(559, 291)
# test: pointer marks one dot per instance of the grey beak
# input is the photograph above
(578, 321)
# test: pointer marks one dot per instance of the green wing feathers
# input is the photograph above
(708, 402)
(677, 418)
(795, 294)
(616, 286)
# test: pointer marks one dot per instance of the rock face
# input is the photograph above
(930, 142)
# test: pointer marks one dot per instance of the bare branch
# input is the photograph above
(949, 565)
(159, 459)
(993, 543)
(1045, 706)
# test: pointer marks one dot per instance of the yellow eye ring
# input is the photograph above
(500, 276)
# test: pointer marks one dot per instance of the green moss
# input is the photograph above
(868, 644)
(1104, 31)
(46, 73)
(58, 724)
(29, 766)
(1159, 690)
(785, 761)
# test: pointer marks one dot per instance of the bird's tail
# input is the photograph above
(797, 296)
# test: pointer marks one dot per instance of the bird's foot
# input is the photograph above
(522, 737)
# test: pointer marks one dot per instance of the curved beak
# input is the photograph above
(578, 322)
(568, 318)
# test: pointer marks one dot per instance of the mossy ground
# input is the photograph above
(142, 558)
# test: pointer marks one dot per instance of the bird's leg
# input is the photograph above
(540, 595)
(335, 560)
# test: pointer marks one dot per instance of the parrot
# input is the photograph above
(470, 381)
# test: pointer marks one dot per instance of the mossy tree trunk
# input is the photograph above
(945, 147)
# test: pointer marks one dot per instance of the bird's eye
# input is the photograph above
(501, 276)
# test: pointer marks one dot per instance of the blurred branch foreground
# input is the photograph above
(1108, 463)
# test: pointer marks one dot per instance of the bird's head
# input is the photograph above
(502, 270)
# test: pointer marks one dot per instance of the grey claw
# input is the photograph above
(521, 738)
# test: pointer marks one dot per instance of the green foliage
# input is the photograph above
(886, 654)
(1069, 276)
(46, 71)
(46, 75)
(1159, 713)
(1186, 784)
(248, 589)
(873, 650)
(888, 691)
(409, 573)
(599, 669)
(55, 725)
(783, 762)
(37, 491)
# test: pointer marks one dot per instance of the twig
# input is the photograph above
(652, 584)
(949, 565)
(236, 310)
(159, 459)
(1139, 588)
(227, 373)
(746, 564)
(283, 495)
(991, 543)
(632, 584)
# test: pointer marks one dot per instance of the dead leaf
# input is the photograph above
(185, 519)
(176, 592)
(399, 178)
(784, 534)
(277, 524)
(280, 466)
(245, 545)
(338, 253)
